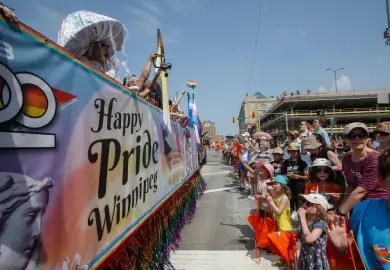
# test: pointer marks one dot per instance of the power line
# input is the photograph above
(256, 41)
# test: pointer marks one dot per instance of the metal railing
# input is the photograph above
(328, 94)
(341, 111)
(333, 128)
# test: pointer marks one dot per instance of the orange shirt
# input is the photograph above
(312, 187)
(237, 148)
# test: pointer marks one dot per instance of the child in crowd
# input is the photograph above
(313, 234)
(296, 171)
(321, 181)
(235, 156)
(283, 242)
(245, 156)
(263, 173)
(264, 176)
(277, 153)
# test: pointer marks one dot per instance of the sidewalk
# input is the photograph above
(218, 260)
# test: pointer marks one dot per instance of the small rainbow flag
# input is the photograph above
(191, 84)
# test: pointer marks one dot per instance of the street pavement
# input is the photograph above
(219, 235)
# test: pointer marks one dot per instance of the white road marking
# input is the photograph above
(220, 189)
(219, 259)
(216, 173)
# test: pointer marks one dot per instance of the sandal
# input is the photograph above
(278, 263)
(258, 260)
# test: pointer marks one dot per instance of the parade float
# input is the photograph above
(91, 175)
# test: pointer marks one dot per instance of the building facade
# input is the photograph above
(338, 109)
(259, 103)
(211, 130)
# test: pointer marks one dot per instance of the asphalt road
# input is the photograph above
(219, 236)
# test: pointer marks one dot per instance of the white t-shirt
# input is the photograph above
(244, 156)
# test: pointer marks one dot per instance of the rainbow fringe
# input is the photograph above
(150, 246)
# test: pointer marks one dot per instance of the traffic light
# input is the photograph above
(234, 119)
(253, 114)
(257, 126)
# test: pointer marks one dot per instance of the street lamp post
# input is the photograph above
(335, 75)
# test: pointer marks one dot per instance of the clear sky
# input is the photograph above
(212, 41)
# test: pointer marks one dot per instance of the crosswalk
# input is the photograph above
(216, 260)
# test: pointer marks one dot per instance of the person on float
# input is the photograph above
(8, 14)
(370, 225)
(360, 167)
(149, 90)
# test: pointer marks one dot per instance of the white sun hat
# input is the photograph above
(322, 162)
(82, 28)
(317, 199)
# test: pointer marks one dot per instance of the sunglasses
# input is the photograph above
(307, 203)
(381, 133)
(358, 136)
(322, 170)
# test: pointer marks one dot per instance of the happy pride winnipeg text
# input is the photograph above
(110, 155)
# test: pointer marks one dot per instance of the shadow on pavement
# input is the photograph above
(244, 194)
(247, 234)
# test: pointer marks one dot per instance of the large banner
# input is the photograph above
(82, 161)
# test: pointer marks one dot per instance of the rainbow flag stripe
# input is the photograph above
(34, 100)
(191, 84)
(35, 103)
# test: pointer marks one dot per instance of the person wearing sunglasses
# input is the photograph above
(370, 223)
(382, 134)
(313, 234)
(360, 167)
(322, 181)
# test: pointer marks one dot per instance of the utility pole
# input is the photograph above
(335, 74)
(386, 33)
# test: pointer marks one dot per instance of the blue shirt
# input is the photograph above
(375, 144)
(370, 222)
(324, 135)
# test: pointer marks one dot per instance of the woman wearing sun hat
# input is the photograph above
(360, 167)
